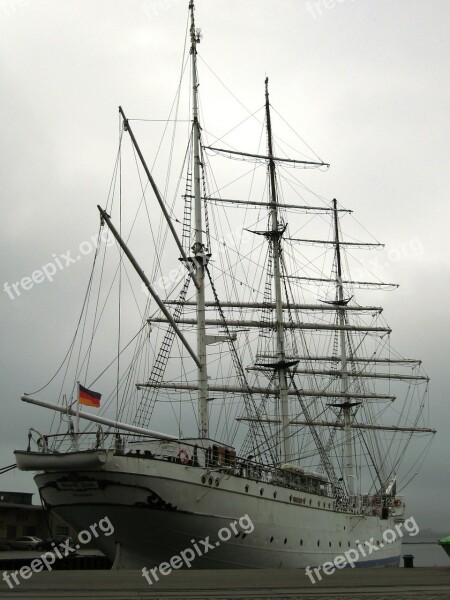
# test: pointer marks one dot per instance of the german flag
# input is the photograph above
(88, 397)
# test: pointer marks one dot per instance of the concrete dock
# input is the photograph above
(280, 584)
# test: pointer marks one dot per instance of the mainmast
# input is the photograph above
(347, 405)
(275, 233)
(200, 258)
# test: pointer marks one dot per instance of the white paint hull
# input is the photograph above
(158, 508)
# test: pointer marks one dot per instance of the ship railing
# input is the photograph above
(71, 442)
(360, 503)
(378, 504)
(230, 464)
(371, 504)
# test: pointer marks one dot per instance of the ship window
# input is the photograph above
(285, 540)
(261, 491)
(217, 481)
(274, 494)
(348, 544)
(301, 542)
(318, 542)
(340, 544)
(271, 539)
(329, 543)
(203, 479)
(310, 501)
(210, 481)
(246, 489)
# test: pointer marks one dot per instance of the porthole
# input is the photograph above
(290, 498)
(246, 489)
(348, 544)
(217, 481)
(274, 494)
(310, 501)
(271, 539)
(203, 479)
(318, 504)
(340, 544)
(210, 481)
(301, 542)
(285, 540)
(261, 491)
(318, 542)
(329, 543)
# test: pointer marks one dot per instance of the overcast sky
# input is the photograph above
(365, 82)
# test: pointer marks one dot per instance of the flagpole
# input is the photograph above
(77, 423)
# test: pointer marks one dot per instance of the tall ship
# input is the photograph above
(253, 380)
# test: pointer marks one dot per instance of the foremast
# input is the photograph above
(276, 233)
(200, 258)
(346, 406)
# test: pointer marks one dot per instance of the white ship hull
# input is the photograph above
(158, 508)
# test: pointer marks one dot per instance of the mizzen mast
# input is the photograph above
(347, 405)
(276, 233)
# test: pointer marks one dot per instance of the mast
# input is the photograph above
(349, 476)
(200, 258)
(276, 234)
